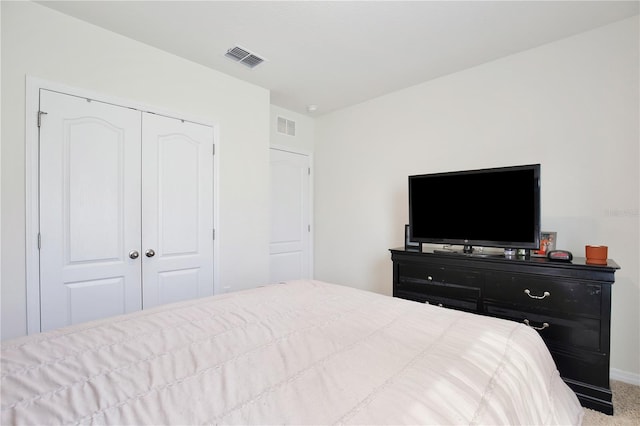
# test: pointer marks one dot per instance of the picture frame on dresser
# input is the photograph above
(547, 243)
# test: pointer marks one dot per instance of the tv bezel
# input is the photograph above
(469, 243)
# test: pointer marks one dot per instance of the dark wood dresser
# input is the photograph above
(568, 303)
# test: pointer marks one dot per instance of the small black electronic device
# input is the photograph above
(409, 244)
(560, 255)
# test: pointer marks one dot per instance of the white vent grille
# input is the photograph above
(286, 127)
(243, 56)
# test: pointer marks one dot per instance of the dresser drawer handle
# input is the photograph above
(528, 293)
(544, 325)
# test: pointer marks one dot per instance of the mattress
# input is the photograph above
(300, 352)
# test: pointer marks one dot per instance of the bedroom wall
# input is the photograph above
(43, 43)
(571, 105)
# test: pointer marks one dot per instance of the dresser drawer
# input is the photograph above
(412, 272)
(568, 332)
(463, 304)
(582, 366)
(453, 288)
(533, 293)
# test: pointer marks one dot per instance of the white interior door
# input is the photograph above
(89, 210)
(177, 210)
(290, 245)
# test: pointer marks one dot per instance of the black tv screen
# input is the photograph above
(498, 207)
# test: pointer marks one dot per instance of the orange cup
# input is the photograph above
(596, 255)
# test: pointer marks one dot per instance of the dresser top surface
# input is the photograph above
(580, 262)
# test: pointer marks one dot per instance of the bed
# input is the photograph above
(300, 352)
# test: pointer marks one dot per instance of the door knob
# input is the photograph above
(149, 253)
(133, 254)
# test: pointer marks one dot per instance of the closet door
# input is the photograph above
(89, 210)
(290, 244)
(177, 210)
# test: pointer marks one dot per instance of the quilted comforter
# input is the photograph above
(301, 352)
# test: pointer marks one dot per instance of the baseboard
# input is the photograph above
(625, 376)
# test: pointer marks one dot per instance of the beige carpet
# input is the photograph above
(626, 407)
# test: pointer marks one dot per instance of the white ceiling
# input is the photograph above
(335, 54)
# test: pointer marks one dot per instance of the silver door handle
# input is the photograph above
(133, 254)
(150, 253)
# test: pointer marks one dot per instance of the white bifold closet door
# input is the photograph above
(126, 216)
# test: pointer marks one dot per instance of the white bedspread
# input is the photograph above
(303, 352)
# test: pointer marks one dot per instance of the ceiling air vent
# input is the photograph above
(243, 56)
(286, 127)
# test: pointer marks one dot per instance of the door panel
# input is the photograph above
(178, 194)
(94, 195)
(84, 294)
(290, 251)
(181, 284)
(177, 207)
(89, 210)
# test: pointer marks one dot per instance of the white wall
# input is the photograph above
(571, 105)
(46, 44)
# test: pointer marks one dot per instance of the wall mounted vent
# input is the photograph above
(286, 127)
(243, 56)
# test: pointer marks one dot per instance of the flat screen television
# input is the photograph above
(497, 207)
